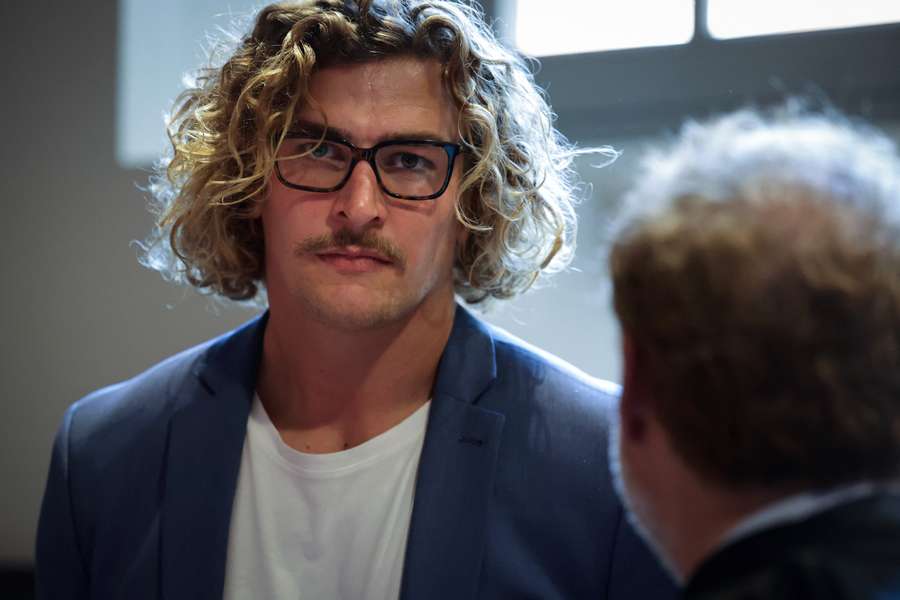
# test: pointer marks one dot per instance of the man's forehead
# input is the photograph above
(386, 98)
(419, 69)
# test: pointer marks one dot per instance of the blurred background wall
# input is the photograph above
(78, 312)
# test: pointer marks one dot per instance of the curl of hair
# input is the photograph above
(517, 192)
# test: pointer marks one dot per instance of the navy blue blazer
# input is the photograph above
(513, 497)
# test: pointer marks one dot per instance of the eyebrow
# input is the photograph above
(336, 134)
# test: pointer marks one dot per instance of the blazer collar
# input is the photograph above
(468, 365)
(455, 480)
(206, 438)
(232, 360)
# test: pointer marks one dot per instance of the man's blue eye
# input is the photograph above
(409, 161)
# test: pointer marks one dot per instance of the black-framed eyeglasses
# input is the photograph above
(405, 169)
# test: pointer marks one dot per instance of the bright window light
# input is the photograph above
(740, 18)
(572, 26)
(159, 42)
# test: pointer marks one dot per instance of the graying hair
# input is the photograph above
(749, 153)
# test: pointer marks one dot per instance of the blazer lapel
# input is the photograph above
(456, 471)
(206, 437)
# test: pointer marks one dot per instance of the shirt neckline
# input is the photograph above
(334, 464)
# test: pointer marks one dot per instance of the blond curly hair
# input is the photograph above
(517, 193)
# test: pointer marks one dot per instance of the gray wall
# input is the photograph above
(79, 312)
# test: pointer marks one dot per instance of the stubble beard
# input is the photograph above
(340, 316)
(362, 310)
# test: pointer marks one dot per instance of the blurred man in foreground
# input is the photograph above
(757, 282)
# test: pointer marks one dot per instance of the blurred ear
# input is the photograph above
(634, 406)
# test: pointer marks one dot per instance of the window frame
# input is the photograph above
(637, 91)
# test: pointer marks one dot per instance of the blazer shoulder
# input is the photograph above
(518, 358)
(107, 459)
(141, 402)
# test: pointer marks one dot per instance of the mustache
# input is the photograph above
(346, 237)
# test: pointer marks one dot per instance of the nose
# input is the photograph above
(359, 204)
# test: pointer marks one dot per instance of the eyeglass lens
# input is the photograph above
(404, 169)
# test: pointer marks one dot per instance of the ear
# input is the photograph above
(634, 404)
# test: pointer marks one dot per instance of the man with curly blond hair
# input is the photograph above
(757, 281)
(355, 167)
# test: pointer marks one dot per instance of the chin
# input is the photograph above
(636, 504)
(356, 317)
(355, 309)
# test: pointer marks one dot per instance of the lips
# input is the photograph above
(355, 253)
(354, 260)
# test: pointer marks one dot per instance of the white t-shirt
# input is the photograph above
(322, 526)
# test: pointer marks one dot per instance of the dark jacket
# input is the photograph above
(512, 500)
(848, 552)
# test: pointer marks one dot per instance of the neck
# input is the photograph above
(326, 390)
(700, 516)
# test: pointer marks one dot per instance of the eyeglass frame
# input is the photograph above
(368, 155)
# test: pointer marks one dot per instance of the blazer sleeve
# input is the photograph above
(60, 568)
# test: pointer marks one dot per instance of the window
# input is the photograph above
(739, 18)
(159, 42)
(578, 26)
